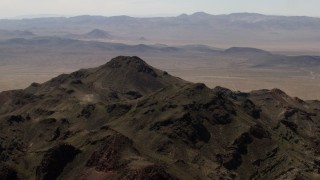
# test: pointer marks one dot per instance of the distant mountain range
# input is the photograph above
(235, 19)
(16, 33)
(250, 57)
(239, 29)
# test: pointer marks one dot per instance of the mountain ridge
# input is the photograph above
(154, 131)
(276, 33)
(200, 13)
(250, 18)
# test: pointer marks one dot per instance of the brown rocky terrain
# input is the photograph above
(128, 120)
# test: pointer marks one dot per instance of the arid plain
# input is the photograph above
(240, 71)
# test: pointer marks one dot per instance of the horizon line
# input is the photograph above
(40, 16)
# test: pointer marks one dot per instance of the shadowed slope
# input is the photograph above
(128, 120)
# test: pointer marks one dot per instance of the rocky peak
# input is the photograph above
(132, 62)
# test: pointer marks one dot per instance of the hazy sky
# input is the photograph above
(13, 8)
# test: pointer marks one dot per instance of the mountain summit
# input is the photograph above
(120, 75)
(98, 34)
(128, 120)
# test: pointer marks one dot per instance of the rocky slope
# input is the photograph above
(128, 120)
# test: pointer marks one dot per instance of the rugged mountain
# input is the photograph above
(128, 120)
